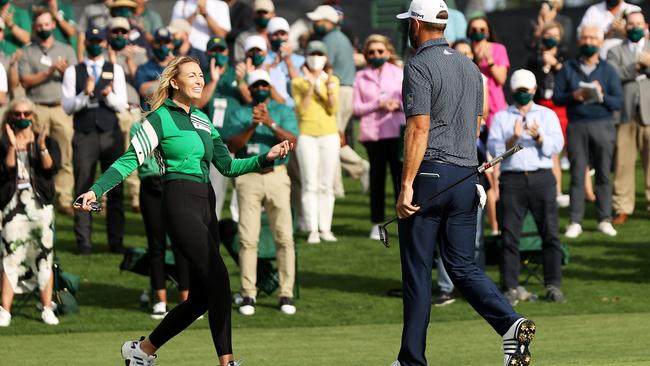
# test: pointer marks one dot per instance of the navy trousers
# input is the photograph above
(451, 218)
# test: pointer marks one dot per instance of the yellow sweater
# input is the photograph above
(317, 119)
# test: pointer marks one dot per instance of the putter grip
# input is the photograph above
(500, 158)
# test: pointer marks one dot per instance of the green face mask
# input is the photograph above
(588, 50)
(276, 43)
(94, 49)
(321, 30)
(260, 95)
(118, 43)
(478, 36)
(635, 34)
(550, 42)
(44, 34)
(258, 59)
(178, 43)
(21, 124)
(262, 22)
(220, 59)
(377, 62)
(522, 97)
(122, 12)
(161, 52)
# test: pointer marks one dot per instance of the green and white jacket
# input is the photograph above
(184, 144)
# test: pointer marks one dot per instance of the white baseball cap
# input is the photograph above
(258, 75)
(179, 25)
(277, 24)
(324, 12)
(426, 11)
(522, 79)
(264, 5)
(255, 42)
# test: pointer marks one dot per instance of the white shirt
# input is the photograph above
(636, 48)
(598, 14)
(200, 33)
(4, 87)
(73, 103)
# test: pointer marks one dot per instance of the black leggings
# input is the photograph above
(151, 192)
(381, 153)
(191, 222)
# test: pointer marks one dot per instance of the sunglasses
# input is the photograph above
(376, 52)
(119, 31)
(18, 114)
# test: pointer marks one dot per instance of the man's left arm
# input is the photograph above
(613, 91)
(116, 97)
(551, 140)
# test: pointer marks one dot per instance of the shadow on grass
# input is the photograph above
(631, 257)
(347, 283)
(108, 296)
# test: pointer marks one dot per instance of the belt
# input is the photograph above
(51, 104)
(526, 172)
(266, 170)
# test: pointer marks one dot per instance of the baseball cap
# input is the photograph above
(277, 24)
(426, 11)
(162, 35)
(324, 12)
(522, 79)
(216, 42)
(123, 3)
(263, 5)
(179, 25)
(255, 42)
(119, 22)
(316, 46)
(258, 75)
(95, 34)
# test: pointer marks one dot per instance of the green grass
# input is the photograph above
(344, 316)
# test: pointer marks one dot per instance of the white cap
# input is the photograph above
(264, 5)
(324, 12)
(258, 75)
(277, 24)
(179, 25)
(119, 22)
(426, 11)
(521, 79)
(255, 42)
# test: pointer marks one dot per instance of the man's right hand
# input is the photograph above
(405, 207)
(90, 86)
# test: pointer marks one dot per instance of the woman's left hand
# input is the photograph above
(280, 150)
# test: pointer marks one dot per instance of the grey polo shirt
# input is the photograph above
(447, 86)
(38, 59)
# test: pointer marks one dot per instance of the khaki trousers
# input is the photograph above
(126, 119)
(631, 138)
(60, 129)
(350, 161)
(271, 191)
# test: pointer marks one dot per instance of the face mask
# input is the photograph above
(94, 49)
(588, 50)
(44, 34)
(122, 12)
(611, 3)
(178, 43)
(321, 30)
(276, 43)
(261, 22)
(316, 62)
(478, 36)
(258, 59)
(118, 43)
(522, 97)
(413, 39)
(635, 34)
(161, 52)
(220, 59)
(377, 62)
(260, 95)
(21, 124)
(550, 43)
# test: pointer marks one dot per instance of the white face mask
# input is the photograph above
(316, 63)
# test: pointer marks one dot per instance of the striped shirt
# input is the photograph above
(448, 87)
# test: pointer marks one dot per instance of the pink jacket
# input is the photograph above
(370, 87)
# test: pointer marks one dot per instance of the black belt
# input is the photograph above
(51, 104)
(526, 172)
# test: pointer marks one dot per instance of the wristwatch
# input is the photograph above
(273, 126)
(44, 152)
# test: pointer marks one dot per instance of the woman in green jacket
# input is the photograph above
(184, 142)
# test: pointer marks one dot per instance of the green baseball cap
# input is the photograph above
(216, 42)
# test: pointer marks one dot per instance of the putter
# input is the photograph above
(383, 232)
(94, 206)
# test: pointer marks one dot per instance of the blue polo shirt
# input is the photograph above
(147, 72)
(280, 75)
(340, 55)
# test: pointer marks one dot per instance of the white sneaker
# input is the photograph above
(563, 200)
(516, 343)
(5, 317)
(159, 311)
(133, 355)
(53, 306)
(365, 178)
(313, 238)
(374, 232)
(287, 306)
(396, 363)
(247, 307)
(606, 228)
(573, 230)
(48, 317)
(328, 236)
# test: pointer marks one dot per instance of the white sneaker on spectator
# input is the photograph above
(134, 355)
(328, 236)
(5, 317)
(313, 238)
(374, 232)
(248, 306)
(606, 228)
(53, 306)
(287, 305)
(159, 311)
(48, 317)
(573, 230)
(563, 200)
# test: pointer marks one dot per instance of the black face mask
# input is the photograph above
(413, 35)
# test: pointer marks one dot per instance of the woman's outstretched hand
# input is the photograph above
(82, 203)
(280, 150)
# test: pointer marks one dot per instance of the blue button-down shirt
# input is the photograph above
(280, 75)
(534, 156)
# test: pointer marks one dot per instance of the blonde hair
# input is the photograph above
(6, 117)
(165, 89)
(378, 38)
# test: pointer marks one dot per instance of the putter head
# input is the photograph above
(383, 235)
(95, 206)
